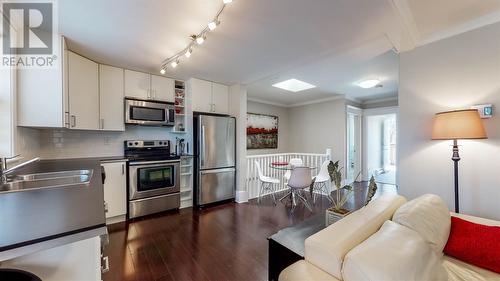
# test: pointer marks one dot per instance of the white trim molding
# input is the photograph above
(336, 97)
(462, 28)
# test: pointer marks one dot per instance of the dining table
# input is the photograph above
(283, 167)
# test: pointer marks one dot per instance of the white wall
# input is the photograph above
(238, 109)
(283, 126)
(450, 74)
(316, 127)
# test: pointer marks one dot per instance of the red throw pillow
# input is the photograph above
(474, 243)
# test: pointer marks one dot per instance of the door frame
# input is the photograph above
(375, 112)
(359, 140)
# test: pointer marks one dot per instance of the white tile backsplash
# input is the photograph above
(64, 143)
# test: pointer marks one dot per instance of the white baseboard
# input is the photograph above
(241, 196)
(116, 219)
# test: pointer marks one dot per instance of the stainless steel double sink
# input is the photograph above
(37, 181)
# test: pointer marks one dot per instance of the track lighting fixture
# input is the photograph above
(196, 40)
(200, 40)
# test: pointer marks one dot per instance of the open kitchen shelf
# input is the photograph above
(180, 107)
(186, 182)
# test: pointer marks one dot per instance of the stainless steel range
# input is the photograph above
(153, 177)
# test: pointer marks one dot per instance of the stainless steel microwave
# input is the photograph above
(149, 113)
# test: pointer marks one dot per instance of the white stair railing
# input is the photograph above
(265, 160)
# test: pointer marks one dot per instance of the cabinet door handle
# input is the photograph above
(66, 120)
(105, 266)
(123, 169)
(73, 121)
(105, 207)
(102, 124)
(148, 93)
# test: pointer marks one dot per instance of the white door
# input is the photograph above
(137, 84)
(83, 92)
(353, 167)
(115, 189)
(220, 98)
(163, 88)
(111, 93)
(201, 95)
(380, 145)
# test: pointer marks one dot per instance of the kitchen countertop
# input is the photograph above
(33, 220)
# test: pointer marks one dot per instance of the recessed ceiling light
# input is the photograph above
(369, 83)
(294, 85)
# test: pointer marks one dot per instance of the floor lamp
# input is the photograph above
(455, 125)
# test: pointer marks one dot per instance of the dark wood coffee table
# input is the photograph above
(287, 245)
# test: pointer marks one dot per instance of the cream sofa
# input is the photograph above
(389, 239)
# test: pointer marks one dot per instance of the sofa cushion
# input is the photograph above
(394, 253)
(302, 270)
(327, 248)
(474, 243)
(462, 271)
(429, 216)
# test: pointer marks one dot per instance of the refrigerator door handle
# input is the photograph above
(218, 171)
(202, 146)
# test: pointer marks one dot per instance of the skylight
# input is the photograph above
(294, 85)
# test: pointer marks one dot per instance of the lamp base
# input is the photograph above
(456, 158)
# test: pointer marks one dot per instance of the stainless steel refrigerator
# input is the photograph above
(215, 158)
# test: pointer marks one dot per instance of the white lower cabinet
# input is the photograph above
(79, 261)
(115, 191)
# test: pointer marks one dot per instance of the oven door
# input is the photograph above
(153, 178)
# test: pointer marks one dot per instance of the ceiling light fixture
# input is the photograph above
(367, 84)
(200, 40)
(196, 39)
(294, 85)
(212, 25)
(174, 63)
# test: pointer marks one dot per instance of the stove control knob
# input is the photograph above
(130, 144)
(136, 143)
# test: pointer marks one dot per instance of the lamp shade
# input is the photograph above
(459, 124)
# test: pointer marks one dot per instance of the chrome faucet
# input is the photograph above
(3, 167)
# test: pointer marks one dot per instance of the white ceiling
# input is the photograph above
(330, 43)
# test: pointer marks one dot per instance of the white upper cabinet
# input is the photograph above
(42, 94)
(138, 85)
(162, 88)
(83, 92)
(201, 95)
(207, 96)
(111, 91)
(220, 98)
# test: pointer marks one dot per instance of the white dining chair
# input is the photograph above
(266, 183)
(300, 179)
(320, 184)
(294, 162)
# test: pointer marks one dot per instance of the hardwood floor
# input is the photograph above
(226, 242)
